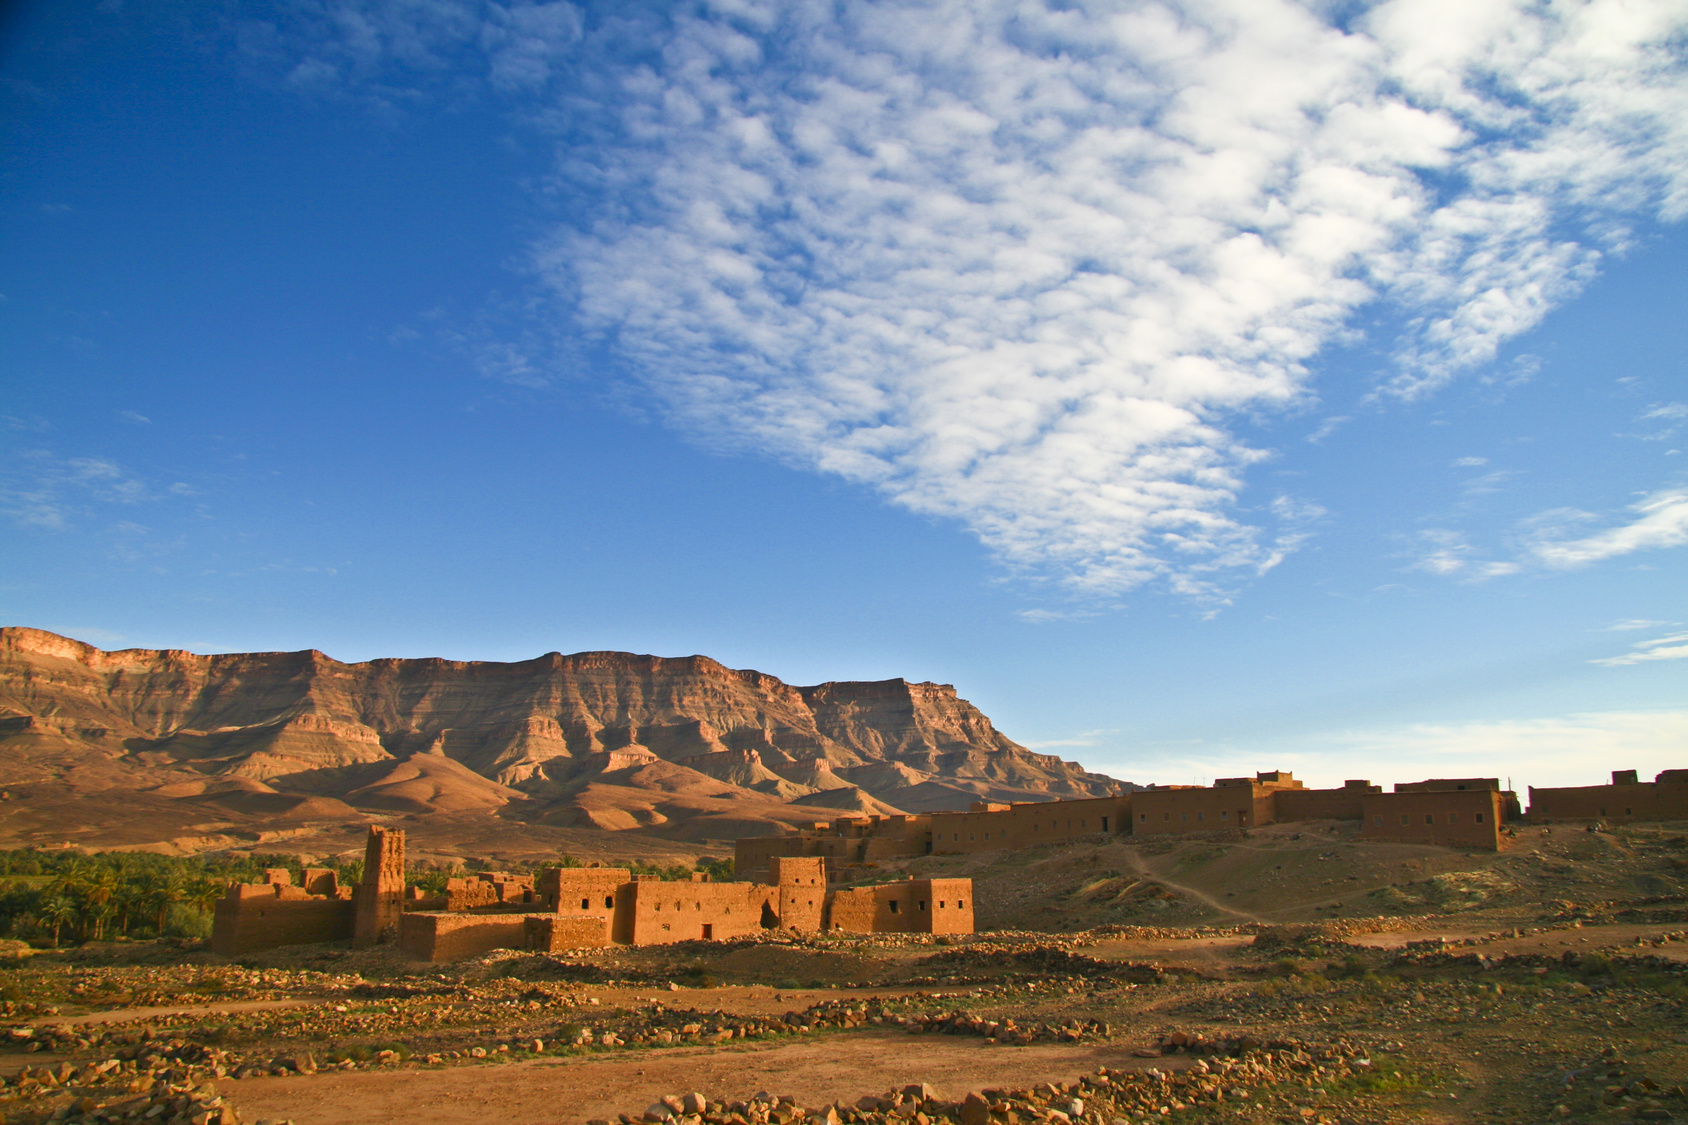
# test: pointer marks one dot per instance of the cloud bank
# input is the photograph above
(1021, 265)
(1017, 266)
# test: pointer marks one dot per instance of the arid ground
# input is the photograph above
(1289, 976)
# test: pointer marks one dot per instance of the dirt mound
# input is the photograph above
(848, 799)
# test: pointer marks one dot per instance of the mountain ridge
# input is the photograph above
(552, 739)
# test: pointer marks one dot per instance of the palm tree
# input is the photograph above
(204, 893)
(102, 888)
(58, 910)
(160, 890)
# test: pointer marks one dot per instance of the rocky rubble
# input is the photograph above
(1102, 1098)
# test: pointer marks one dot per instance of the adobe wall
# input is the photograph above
(1463, 818)
(379, 899)
(751, 855)
(449, 937)
(1159, 811)
(1646, 800)
(488, 889)
(918, 906)
(1028, 824)
(846, 842)
(1449, 784)
(802, 891)
(257, 916)
(1322, 804)
(551, 933)
(661, 913)
(594, 892)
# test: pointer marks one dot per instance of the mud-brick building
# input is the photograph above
(990, 826)
(850, 841)
(1269, 797)
(866, 841)
(1461, 812)
(1230, 802)
(1626, 798)
(583, 907)
(255, 916)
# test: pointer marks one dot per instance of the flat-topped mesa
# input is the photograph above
(538, 727)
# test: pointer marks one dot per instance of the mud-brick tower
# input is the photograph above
(379, 902)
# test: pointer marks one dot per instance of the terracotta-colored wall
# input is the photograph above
(802, 891)
(551, 933)
(1159, 811)
(918, 906)
(1449, 784)
(379, 899)
(488, 889)
(1028, 824)
(1647, 800)
(597, 892)
(1321, 804)
(252, 917)
(751, 855)
(1468, 818)
(449, 937)
(661, 913)
(848, 841)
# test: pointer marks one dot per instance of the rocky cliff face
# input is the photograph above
(549, 737)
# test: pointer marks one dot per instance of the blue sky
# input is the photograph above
(1198, 387)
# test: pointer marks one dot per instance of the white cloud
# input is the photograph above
(1446, 553)
(1018, 263)
(1673, 647)
(1661, 521)
(43, 491)
(1017, 266)
(1632, 624)
(1469, 462)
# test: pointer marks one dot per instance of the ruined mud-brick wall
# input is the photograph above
(1214, 809)
(549, 933)
(1627, 800)
(379, 900)
(449, 937)
(920, 906)
(991, 827)
(1465, 818)
(1449, 785)
(802, 891)
(488, 890)
(661, 913)
(1323, 804)
(257, 916)
(842, 843)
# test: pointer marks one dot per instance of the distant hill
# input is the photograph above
(120, 746)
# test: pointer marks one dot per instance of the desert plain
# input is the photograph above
(1290, 973)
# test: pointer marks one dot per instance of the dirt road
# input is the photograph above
(568, 1091)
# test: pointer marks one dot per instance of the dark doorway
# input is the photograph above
(708, 932)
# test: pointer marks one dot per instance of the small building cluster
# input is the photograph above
(794, 881)
(569, 908)
(1461, 812)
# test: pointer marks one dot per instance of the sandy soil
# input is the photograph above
(568, 1091)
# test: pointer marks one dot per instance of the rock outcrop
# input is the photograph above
(559, 739)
